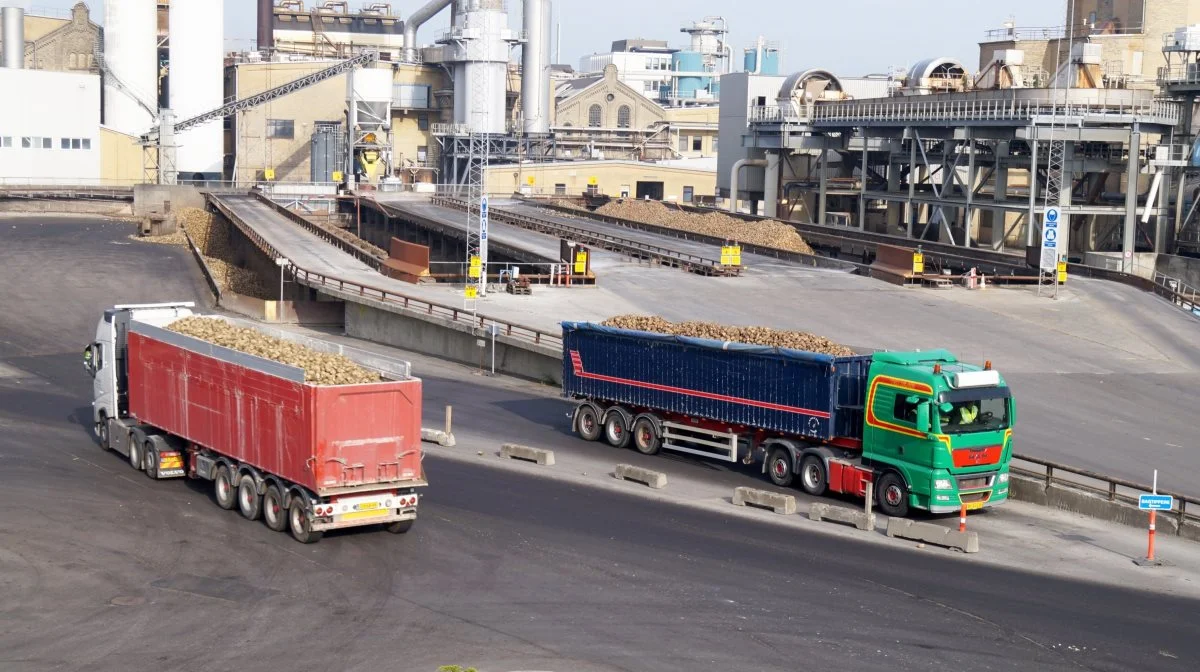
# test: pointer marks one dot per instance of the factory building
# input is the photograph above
(53, 136)
(63, 42)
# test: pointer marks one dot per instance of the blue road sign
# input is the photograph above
(1052, 217)
(1156, 502)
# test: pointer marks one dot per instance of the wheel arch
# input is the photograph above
(588, 403)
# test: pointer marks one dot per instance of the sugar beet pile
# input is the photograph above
(776, 338)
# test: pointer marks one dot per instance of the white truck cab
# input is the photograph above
(104, 359)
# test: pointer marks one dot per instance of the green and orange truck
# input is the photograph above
(925, 430)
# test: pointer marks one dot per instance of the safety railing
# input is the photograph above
(345, 288)
(1183, 295)
(1119, 490)
(1179, 74)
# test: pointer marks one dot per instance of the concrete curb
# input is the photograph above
(438, 436)
(528, 454)
(1035, 491)
(781, 504)
(967, 542)
(841, 514)
(628, 472)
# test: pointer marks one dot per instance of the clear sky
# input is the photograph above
(850, 37)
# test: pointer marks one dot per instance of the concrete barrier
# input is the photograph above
(1034, 490)
(439, 437)
(967, 542)
(782, 504)
(538, 455)
(628, 472)
(841, 514)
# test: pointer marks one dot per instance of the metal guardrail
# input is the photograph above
(1183, 295)
(1110, 487)
(666, 256)
(455, 314)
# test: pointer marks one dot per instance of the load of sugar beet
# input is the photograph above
(766, 336)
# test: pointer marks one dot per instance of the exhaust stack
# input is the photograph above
(14, 38)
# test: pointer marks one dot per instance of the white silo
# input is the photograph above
(197, 85)
(131, 64)
(478, 45)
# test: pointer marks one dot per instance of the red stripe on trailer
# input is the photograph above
(577, 366)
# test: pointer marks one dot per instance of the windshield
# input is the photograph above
(974, 415)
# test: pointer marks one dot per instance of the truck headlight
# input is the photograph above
(1004, 477)
(942, 484)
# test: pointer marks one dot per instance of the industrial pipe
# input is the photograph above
(535, 67)
(266, 25)
(771, 185)
(415, 21)
(14, 38)
(733, 180)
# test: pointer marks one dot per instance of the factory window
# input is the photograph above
(6, 142)
(623, 114)
(560, 190)
(697, 143)
(714, 144)
(87, 143)
(594, 116)
(683, 145)
(26, 143)
(47, 143)
(689, 194)
(423, 122)
(282, 129)
(422, 153)
(65, 144)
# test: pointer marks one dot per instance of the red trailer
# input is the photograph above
(304, 457)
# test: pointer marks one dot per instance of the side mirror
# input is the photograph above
(923, 416)
(946, 407)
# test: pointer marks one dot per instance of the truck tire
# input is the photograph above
(135, 454)
(892, 495)
(645, 438)
(401, 526)
(274, 515)
(223, 488)
(616, 430)
(587, 423)
(779, 467)
(150, 460)
(249, 503)
(814, 478)
(299, 521)
(102, 432)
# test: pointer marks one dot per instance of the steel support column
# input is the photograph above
(913, 173)
(1129, 235)
(862, 184)
(971, 177)
(771, 186)
(822, 195)
(1031, 220)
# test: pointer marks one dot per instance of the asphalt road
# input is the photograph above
(103, 569)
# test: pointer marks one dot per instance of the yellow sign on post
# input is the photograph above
(269, 174)
(592, 181)
(530, 180)
(731, 255)
(918, 263)
(337, 176)
(471, 292)
(581, 262)
(1062, 272)
(476, 268)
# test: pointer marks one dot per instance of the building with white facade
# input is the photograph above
(53, 135)
(644, 65)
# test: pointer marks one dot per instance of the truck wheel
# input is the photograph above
(249, 503)
(813, 478)
(645, 439)
(401, 526)
(616, 432)
(150, 458)
(135, 454)
(587, 424)
(779, 466)
(273, 513)
(223, 488)
(892, 495)
(102, 432)
(300, 521)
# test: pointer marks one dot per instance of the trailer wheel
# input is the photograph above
(587, 424)
(273, 513)
(779, 466)
(102, 432)
(401, 526)
(616, 430)
(150, 460)
(645, 439)
(223, 488)
(300, 521)
(249, 503)
(813, 478)
(892, 495)
(135, 454)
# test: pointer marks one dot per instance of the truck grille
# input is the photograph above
(971, 497)
(974, 481)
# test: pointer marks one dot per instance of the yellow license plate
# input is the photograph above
(974, 505)
(365, 506)
(354, 515)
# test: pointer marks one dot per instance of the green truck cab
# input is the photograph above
(944, 426)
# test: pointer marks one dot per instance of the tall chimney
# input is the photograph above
(266, 25)
(535, 67)
(14, 37)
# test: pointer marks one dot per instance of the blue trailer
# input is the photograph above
(926, 430)
(694, 395)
